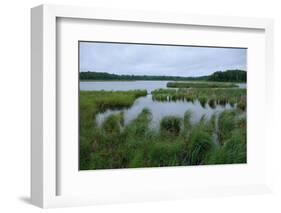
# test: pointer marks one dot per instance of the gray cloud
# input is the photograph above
(159, 59)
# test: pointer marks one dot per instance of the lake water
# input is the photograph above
(158, 109)
(123, 85)
(129, 85)
(161, 109)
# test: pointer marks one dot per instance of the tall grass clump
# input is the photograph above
(242, 103)
(164, 153)
(203, 101)
(187, 120)
(170, 125)
(232, 136)
(212, 103)
(112, 124)
(234, 150)
(139, 126)
(199, 146)
(226, 123)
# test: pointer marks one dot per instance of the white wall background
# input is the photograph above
(15, 105)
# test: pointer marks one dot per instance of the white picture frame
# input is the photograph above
(44, 155)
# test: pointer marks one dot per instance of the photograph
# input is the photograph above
(161, 105)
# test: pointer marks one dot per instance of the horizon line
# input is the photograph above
(166, 75)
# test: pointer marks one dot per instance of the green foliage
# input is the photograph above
(203, 101)
(186, 120)
(103, 76)
(226, 76)
(91, 138)
(229, 76)
(242, 103)
(200, 145)
(112, 125)
(201, 84)
(165, 153)
(140, 126)
(178, 142)
(212, 103)
(234, 150)
(226, 123)
(212, 96)
(85, 151)
(170, 125)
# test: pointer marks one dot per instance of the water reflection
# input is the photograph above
(161, 109)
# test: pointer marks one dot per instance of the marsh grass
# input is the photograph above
(234, 150)
(200, 143)
(178, 141)
(170, 125)
(186, 120)
(212, 97)
(90, 103)
(186, 84)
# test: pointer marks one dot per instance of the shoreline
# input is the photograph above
(195, 81)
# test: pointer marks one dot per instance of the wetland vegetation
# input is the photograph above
(177, 141)
(184, 84)
(152, 105)
(213, 97)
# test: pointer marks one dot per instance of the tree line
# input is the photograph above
(229, 76)
(226, 76)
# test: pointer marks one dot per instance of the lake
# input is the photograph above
(123, 85)
(128, 85)
(158, 109)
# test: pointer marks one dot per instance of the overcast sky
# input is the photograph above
(159, 59)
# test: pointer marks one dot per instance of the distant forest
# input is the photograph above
(224, 76)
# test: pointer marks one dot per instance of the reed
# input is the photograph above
(170, 125)
(212, 97)
(201, 84)
(92, 102)
(177, 142)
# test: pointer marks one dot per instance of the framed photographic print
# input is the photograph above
(130, 106)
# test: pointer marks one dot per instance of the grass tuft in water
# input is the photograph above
(170, 125)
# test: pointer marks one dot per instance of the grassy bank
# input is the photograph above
(206, 84)
(85, 80)
(92, 102)
(212, 97)
(218, 140)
